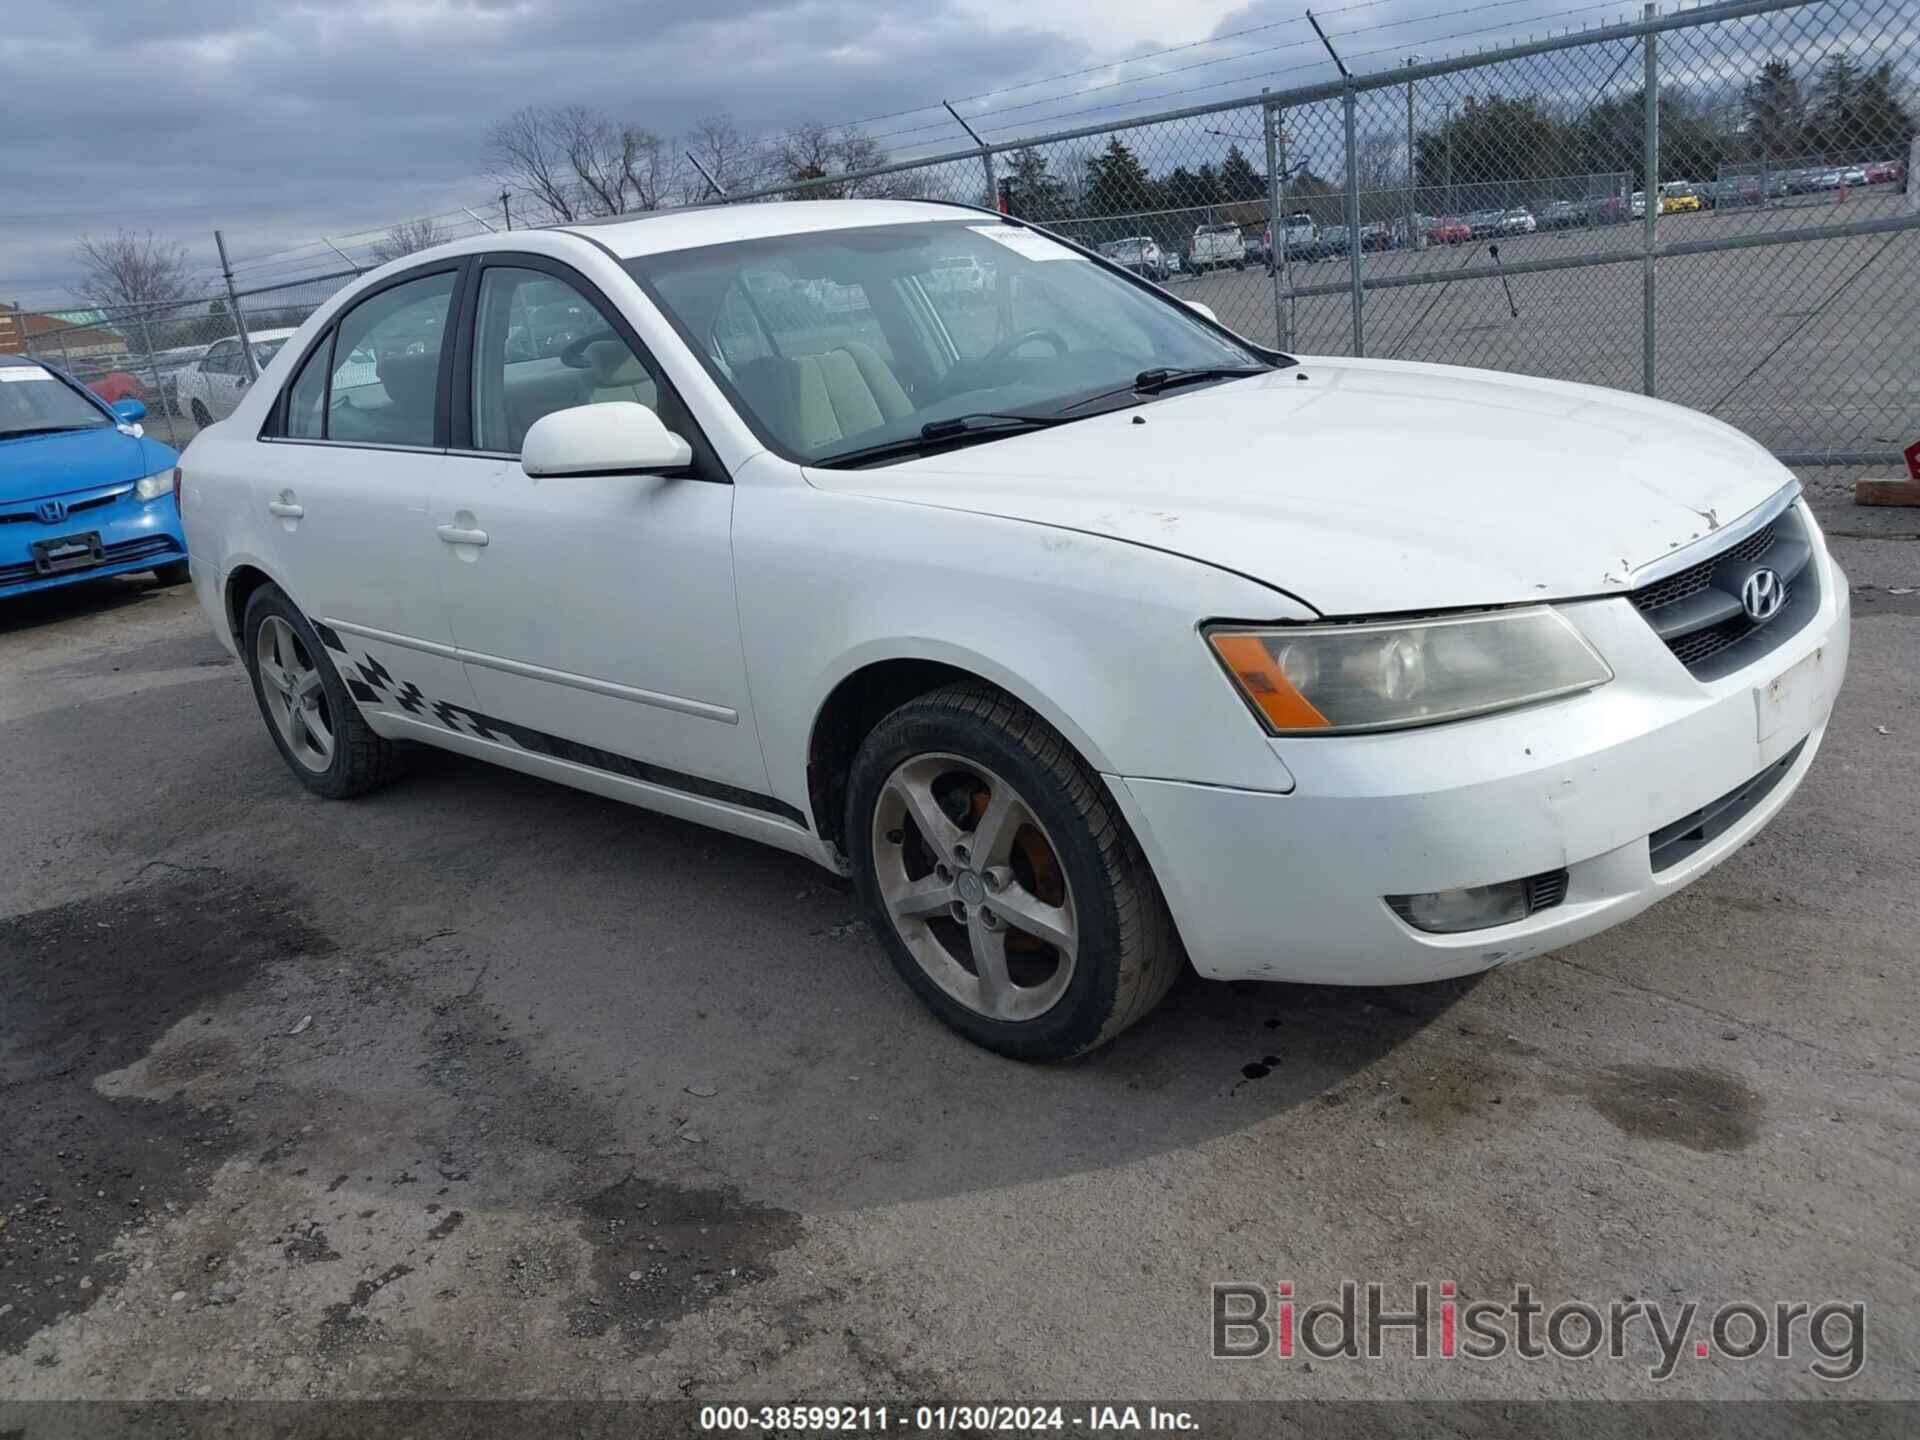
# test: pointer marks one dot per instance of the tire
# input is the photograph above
(1062, 861)
(1239, 265)
(178, 573)
(201, 417)
(353, 759)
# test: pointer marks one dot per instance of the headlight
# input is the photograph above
(1386, 675)
(155, 485)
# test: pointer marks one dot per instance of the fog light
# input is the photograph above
(1475, 907)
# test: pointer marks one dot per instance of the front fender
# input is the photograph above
(1098, 636)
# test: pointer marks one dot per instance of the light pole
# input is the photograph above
(1413, 235)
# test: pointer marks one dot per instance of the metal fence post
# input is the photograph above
(1276, 222)
(153, 374)
(233, 306)
(1649, 226)
(1353, 229)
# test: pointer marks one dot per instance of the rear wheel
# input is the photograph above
(313, 720)
(1010, 897)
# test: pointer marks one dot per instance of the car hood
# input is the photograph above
(36, 466)
(1371, 487)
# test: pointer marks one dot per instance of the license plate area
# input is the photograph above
(68, 552)
(1787, 702)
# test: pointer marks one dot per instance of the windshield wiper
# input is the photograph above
(940, 434)
(1152, 382)
(48, 430)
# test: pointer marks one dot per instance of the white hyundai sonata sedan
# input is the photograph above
(1090, 639)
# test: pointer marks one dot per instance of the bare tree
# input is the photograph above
(1381, 161)
(816, 152)
(735, 160)
(407, 237)
(131, 269)
(570, 162)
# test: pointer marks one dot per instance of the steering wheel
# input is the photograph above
(574, 357)
(1012, 343)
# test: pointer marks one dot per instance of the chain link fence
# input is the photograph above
(1716, 207)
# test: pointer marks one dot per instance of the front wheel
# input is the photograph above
(314, 722)
(201, 417)
(1009, 895)
(178, 573)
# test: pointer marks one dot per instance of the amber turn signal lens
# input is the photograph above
(1265, 683)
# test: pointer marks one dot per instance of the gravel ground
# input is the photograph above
(483, 1087)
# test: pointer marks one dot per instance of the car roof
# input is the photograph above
(629, 236)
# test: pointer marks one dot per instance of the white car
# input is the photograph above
(1089, 640)
(1217, 245)
(1139, 253)
(208, 389)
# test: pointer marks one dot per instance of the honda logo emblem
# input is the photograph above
(51, 512)
(1763, 595)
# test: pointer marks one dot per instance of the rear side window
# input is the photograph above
(307, 397)
(385, 364)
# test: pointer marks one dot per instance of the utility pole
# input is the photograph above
(506, 207)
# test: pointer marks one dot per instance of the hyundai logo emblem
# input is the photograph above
(1763, 595)
(51, 512)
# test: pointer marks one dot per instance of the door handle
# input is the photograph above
(285, 509)
(459, 535)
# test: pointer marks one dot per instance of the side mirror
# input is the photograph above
(612, 438)
(130, 411)
(1203, 310)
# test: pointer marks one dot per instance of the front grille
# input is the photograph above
(1698, 611)
(17, 517)
(1671, 844)
(1700, 577)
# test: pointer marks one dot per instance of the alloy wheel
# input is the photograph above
(295, 693)
(974, 886)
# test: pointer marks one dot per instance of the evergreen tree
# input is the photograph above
(1776, 112)
(1117, 183)
(1239, 180)
(1031, 192)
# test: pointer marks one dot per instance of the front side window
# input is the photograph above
(539, 346)
(836, 341)
(219, 358)
(386, 364)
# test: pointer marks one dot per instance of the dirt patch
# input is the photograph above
(662, 1251)
(88, 987)
(1699, 1108)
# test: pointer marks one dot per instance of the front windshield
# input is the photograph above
(35, 400)
(836, 341)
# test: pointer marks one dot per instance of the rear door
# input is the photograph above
(359, 443)
(596, 614)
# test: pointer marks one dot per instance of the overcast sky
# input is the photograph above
(282, 120)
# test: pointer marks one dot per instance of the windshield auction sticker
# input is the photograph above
(1024, 242)
(23, 372)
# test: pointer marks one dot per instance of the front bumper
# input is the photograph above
(134, 535)
(1290, 886)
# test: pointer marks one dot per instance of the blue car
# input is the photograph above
(83, 493)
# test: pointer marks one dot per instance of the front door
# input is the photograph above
(596, 611)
